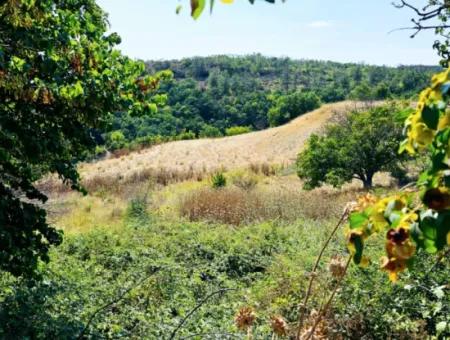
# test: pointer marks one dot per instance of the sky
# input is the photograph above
(337, 30)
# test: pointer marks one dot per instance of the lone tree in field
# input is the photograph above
(358, 146)
(60, 78)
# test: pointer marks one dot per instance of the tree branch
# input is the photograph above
(201, 303)
(313, 273)
(323, 310)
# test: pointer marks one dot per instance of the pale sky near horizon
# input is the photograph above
(344, 30)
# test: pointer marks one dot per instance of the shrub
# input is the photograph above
(244, 181)
(218, 180)
(186, 135)
(237, 130)
(137, 208)
(210, 131)
(116, 140)
(100, 151)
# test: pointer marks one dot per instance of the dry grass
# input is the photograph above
(278, 145)
(232, 205)
(118, 183)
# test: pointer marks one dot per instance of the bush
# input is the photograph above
(244, 181)
(137, 208)
(209, 131)
(369, 305)
(116, 140)
(218, 180)
(237, 130)
(186, 135)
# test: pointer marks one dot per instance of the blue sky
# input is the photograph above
(338, 30)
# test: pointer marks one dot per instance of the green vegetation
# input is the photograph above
(142, 278)
(288, 107)
(60, 78)
(358, 146)
(146, 258)
(237, 130)
(212, 94)
(218, 180)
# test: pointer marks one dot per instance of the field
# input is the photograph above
(170, 257)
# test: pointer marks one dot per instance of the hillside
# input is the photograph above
(278, 145)
(209, 95)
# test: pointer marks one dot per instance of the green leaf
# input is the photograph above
(359, 247)
(430, 115)
(439, 292)
(441, 327)
(357, 220)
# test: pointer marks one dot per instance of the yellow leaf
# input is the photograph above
(228, 2)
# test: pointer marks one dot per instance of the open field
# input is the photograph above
(278, 145)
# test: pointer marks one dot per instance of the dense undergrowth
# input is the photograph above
(141, 273)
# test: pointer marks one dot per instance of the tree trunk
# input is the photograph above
(368, 181)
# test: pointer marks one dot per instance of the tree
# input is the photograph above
(361, 92)
(292, 105)
(357, 147)
(60, 78)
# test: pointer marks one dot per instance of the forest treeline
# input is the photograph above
(225, 95)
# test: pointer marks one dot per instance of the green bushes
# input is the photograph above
(413, 309)
(237, 130)
(209, 131)
(137, 208)
(148, 279)
(141, 280)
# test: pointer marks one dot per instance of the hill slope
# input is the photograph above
(278, 145)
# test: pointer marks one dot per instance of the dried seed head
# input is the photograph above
(245, 318)
(279, 325)
(337, 266)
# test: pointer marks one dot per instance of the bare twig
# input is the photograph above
(424, 15)
(313, 273)
(324, 310)
(201, 303)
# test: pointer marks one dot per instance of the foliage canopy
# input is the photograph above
(60, 77)
(358, 146)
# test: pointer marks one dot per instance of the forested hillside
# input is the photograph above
(211, 96)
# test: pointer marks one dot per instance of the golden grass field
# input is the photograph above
(278, 145)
